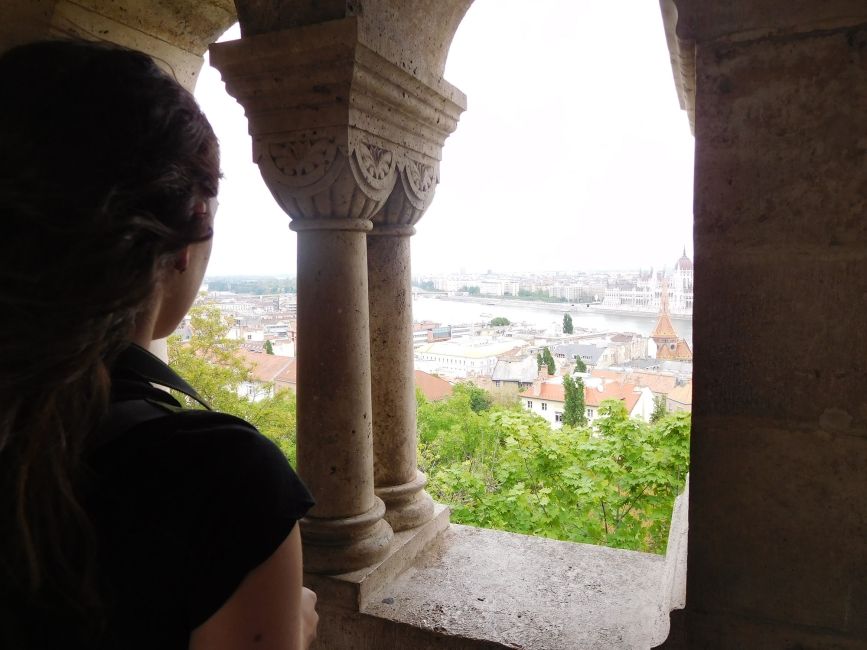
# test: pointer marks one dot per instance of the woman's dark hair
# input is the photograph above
(102, 157)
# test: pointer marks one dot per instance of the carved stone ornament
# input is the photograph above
(317, 173)
(420, 181)
(305, 162)
(374, 166)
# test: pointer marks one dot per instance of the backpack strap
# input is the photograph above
(123, 415)
(152, 369)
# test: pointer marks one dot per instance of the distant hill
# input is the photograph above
(257, 285)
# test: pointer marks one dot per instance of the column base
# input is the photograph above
(352, 590)
(407, 505)
(347, 544)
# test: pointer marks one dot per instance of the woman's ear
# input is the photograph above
(182, 259)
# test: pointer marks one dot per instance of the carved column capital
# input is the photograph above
(338, 130)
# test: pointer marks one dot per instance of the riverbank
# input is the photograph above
(564, 307)
(545, 316)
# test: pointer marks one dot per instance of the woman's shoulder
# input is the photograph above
(195, 445)
(206, 491)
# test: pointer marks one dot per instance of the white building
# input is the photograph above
(463, 357)
(645, 293)
(548, 399)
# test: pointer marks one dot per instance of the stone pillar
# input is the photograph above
(345, 529)
(777, 551)
(398, 482)
(339, 134)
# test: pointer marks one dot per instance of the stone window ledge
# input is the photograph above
(450, 586)
(516, 591)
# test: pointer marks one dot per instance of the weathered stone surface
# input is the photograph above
(24, 21)
(527, 592)
(175, 33)
(395, 444)
(414, 34)
(191, 25)
(780, 139)
(778, 515)
(352, 590)
(725, 632)
(705, 20)
(344, 530)
(340, 134)
(776, 327)
(777, 550)
(337, 128)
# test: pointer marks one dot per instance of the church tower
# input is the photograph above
(669, 345)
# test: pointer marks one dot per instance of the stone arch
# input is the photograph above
(176, 34)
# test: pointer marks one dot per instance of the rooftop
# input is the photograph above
(469, 348)
(432, 387)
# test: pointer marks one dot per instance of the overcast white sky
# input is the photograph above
(573, 153)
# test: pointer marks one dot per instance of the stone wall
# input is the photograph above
(778, 534)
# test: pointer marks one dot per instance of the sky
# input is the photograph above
(573, 154)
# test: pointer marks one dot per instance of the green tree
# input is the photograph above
(269, 349)
(548, 360)
(580, 366)
(506, 468)
(480, 399)
(474, 291)
(539, 362)
(659, 409)
(210, 362)
(573, 412)
(500, 321)
(567, 324)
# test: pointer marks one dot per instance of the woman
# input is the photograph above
(127, 522)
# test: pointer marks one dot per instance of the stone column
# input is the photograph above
(398, 482)
(341, 134)
(345, 530)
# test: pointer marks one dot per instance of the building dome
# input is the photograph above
(684, 263)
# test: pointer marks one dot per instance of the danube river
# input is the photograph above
(540, 315)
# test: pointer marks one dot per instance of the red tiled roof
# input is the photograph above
(434, 388)
(266, 367)
(592, 396)
(607, 374)
(547, 391)
(658, 383)
(622, 392)
(289, 374)
(682, 394)
(681, 351)
(664, 328)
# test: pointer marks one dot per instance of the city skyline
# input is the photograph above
(572, 156)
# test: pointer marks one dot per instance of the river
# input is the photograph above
(541, 315)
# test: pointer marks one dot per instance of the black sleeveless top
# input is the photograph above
(185, 504)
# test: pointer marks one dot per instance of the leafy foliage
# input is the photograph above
(497, 466)
(269, 349)
(580, 366)
(573, 411)
(256, 286)
(659, 409)
(506, 468)
(548, 360)
(500, 321)
(568, 328)
(210, 363)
